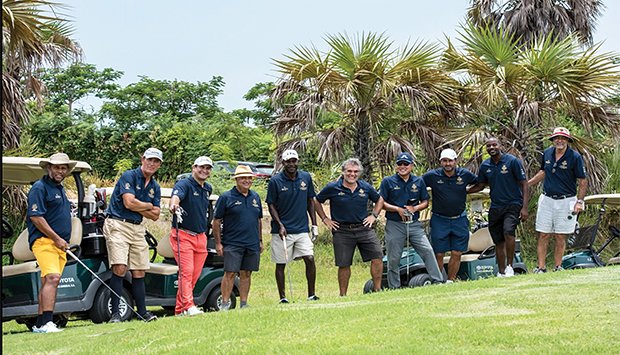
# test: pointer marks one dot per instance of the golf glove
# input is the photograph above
(315, 233)
(179, 212)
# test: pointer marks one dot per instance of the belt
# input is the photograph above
(193, 234)
(124, 220)
(450, 217)
(559, 197)
(350, 225)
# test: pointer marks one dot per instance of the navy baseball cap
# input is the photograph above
(404, 156)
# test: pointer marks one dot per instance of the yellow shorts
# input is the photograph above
(126, 244)
(50, 258)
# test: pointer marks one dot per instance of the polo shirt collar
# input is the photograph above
(340, 184)
(195, 182)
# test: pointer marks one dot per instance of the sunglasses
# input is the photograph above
(402, 163)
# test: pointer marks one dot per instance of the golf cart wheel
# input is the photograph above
(420, 280)
(214, 301)
(369, 286)
(102, 306)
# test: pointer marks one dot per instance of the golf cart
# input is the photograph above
(81, 294)
(581, 243)
(477, 262)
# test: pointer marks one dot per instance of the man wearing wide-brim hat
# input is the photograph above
(240, 242)
(49, 232)
(561, 170)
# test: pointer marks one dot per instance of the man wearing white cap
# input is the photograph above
(136, 195)
(562, 169)
(290, 196)
(188, 236)
(449, 222)
(49, 231)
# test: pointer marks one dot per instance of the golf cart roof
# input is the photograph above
(609, 199)
(24, 171)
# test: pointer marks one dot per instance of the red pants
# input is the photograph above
(193, 256)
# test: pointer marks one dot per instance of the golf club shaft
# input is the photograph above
(288, 269)
(179, 283)
(104, 284)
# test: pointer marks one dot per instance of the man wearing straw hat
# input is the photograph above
(562, 169)
(49, 231)
(237, 231)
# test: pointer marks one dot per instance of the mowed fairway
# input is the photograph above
(569, 312)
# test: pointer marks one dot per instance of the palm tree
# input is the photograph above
(347, 99)
(529, 19)
(31, 38)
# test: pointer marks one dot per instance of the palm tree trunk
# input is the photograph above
(362, 145)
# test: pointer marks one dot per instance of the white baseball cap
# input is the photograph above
(203, 160)
(448, 154)
(153, 153)
(290, 154)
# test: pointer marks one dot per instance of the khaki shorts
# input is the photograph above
(297, 245)
(51, 260)
(126, 244)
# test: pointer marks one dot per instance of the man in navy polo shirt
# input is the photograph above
(190, 248)
(237, 230)
(49, 232)
(449, 222)
(136, 195)
(405, 196)
(289, 197)
(350, 223)
(562, 169)
(506, 178)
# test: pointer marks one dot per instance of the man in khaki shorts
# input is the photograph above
(136, 195)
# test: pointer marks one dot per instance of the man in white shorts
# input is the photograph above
(562, 169)
(290, 196)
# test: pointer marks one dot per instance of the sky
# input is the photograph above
(195, 40)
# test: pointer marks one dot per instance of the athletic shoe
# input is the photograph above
(540, 270)
(509, 272)
(449, 282)
(284, 300)
(499, 274)
(225, 306)
(192, 311)
(558, 268)
(149, 317)
(115, 318)
(244, 306)
(313, 298)
(49, 327)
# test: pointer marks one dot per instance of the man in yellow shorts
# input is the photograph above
(49, 231)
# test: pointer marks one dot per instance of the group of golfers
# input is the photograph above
(292, 203)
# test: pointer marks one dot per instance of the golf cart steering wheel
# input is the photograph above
(7, 230)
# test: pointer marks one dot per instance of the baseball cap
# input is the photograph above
(448, 154)
(290, 154)
(404, 156)
(154, 153)
(203, 160)
(561, 131)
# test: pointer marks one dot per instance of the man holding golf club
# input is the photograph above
(237, 231)
(562, 169)
(449, 222)
(188, 236)
(404, 196)
(289, 197)
(350, 223)
(136, 195)
(49, 231)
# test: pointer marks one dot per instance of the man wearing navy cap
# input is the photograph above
(506, 178)
(136, 195)
(289, 197)
(562, 169)
(405, 196)
(192, 196)
(449, 222)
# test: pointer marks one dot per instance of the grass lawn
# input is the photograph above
(567, 312)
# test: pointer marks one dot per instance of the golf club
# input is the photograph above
(175, 221)
(104, 284)
(409, 215)
(288, 269)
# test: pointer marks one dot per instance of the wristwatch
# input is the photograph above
(582, 202)
(374, 214)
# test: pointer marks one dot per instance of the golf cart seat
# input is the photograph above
(21, 251)
(479, 241)
(165, 250)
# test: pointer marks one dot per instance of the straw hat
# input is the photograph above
(243, 171)
(58, 159)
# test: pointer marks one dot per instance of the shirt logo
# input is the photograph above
(547, 162)
(341, 193)
(57, 196)
(196, 193)
(396, 188)
(564, 165)
(284, 188)
(414, 188)
(488, 171)
(127, 186)
(254, 203)
(175, 192)
(151, 193)
(34, 207)
(440, 181)
(459, 180)
(362, 193)
(504, 169)
(138, 187)
(237, 203)
(303, 186)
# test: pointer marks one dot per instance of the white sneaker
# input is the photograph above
(49, 327)
(192, 311)
(501, 275)
(509, 272)
(225, 306)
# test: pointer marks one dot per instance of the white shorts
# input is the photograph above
(555, 216)
(297, 245)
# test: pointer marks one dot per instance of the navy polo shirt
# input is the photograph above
(503, 179)
(449, 192)
(49, 200)
(240, 215)
(195, 203)
(398, 192)
(346, 206)
(561, 176)
(290, 196)
(132, 181)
